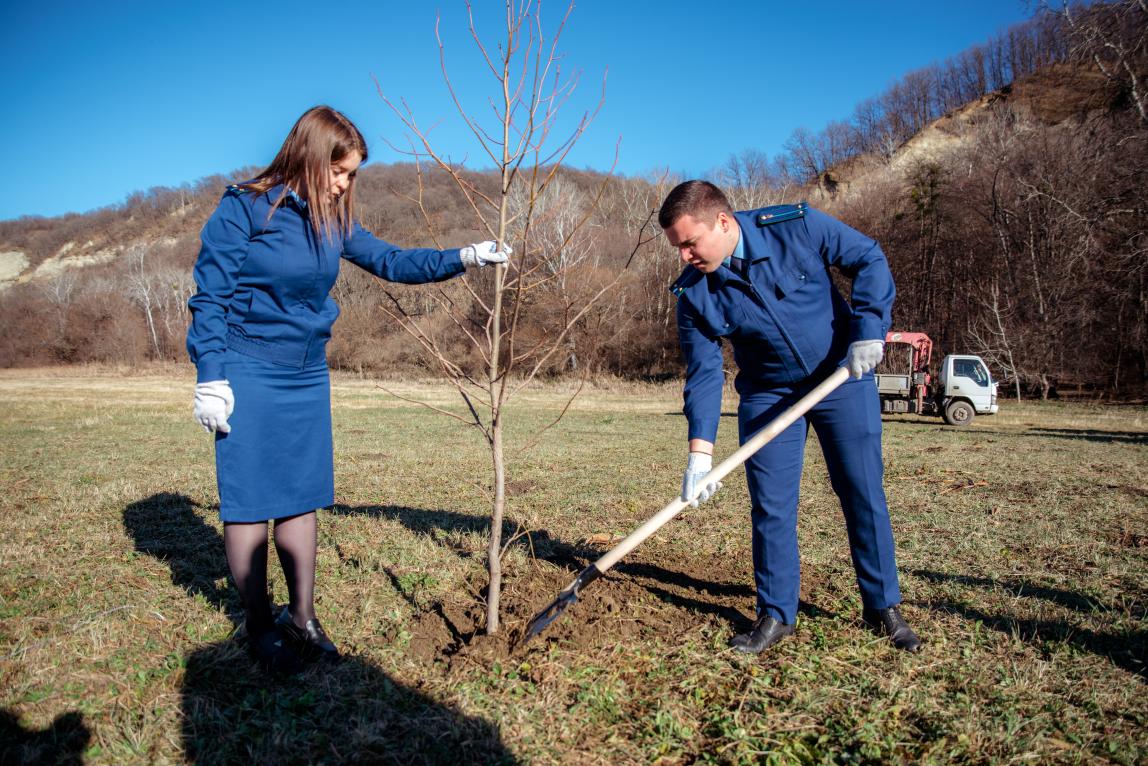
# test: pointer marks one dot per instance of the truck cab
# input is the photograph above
(965, 389)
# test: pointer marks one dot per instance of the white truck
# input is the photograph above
(962, 390)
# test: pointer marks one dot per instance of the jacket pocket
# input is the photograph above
(724, 319)
(793, 277)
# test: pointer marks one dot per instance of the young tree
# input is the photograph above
(548, 230)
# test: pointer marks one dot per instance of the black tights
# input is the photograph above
(295, 542)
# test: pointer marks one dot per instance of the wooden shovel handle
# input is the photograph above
(752, 445)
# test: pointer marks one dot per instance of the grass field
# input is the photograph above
(1022, 545)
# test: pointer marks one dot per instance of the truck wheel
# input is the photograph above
(959, 413)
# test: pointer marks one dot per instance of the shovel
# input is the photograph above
(569, 594)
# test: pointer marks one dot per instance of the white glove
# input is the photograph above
(483, 253)
(214, 404)
(864, 355)
(698, 465)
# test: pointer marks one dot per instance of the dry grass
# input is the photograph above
(1022, 546)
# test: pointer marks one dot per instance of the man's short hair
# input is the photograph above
(699, 199)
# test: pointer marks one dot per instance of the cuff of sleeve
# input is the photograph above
(703, 430)
(209, 368)
(867, 328)
(454, 259)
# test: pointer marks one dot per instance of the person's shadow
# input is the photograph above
(233, 712)
(1128, 651)
(63, 743)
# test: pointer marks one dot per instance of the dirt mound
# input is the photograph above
(636, 599)
(607, 611)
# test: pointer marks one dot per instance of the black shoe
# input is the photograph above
(271, 650)
(311, 639)
(766, 632)
(889, 622)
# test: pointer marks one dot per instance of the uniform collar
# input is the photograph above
(756, 249)
(278, 190)
(302, 203)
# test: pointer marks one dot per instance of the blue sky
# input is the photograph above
(102, 99)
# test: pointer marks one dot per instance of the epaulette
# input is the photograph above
(237, 189)
(778, 213)
(689, 277)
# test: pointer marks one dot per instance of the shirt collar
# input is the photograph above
(737, 255)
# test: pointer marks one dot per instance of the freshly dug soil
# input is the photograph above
(637, 598)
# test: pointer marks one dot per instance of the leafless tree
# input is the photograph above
(160, 290)
(991, 335)
(59, 292)
(751, 180)
(143, 291)
(550, 244)
(1115, 38)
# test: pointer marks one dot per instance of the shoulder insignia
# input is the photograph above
(689, 277)
(778, 213)
(237, 189)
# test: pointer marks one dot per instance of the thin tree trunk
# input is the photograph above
(151, 323)
(497, 386)
(494, 549)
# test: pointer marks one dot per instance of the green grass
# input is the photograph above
(1022, 546)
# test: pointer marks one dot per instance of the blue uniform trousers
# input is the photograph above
(848, 426)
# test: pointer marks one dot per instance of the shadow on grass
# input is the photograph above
(739, 621)
(62, 743)
(167, 527)
(575, 556)
(680, 414)
(1128, 651)
(1094, 435)
(346, 712)
(1076, 434)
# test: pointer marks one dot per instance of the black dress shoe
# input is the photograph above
(889, 622)
(272, 651)
(766, 632)
(311, 638)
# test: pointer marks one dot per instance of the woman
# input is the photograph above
(260, 322)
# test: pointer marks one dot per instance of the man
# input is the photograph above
(760, 279)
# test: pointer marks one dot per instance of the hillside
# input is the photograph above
(1005, 186)
(1066, 94)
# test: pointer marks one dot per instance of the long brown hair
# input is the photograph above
(320, 137)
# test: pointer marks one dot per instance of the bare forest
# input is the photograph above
(1005, 185)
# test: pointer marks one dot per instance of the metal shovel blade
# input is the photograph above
(552, 612)
(555, 608)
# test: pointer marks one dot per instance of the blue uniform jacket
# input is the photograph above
(264, 285)
(785, 319)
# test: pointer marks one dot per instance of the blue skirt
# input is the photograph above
(278, 459)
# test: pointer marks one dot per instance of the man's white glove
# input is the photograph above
(214, 404)
(864, 355)
(483, 253)
(698, 465)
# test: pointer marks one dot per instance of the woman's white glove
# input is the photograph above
(698, 465)
(214, 404)
(864, 355)
(483, 253)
